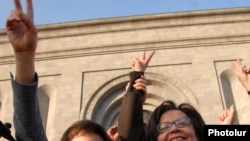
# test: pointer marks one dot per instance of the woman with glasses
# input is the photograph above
(170, 122)
(168, 117)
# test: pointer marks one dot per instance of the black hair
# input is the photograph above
(196, 119)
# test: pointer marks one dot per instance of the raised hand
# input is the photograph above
(21, 29)
(22, 34)
(113, 133)
(227, 117)
(243, 73)
(141, 64)
(140, 84)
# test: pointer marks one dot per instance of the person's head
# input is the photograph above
(85, 130)
(169, 121)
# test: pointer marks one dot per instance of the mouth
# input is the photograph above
(178, 139)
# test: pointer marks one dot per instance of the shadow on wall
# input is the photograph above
(46, 95)
(2, 99)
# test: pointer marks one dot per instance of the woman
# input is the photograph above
(169, 122)
(85, 130)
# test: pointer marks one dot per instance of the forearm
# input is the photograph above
(130, 124)
(25, 67)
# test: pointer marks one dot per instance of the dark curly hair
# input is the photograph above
(189, 110)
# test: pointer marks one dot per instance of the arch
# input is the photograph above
(110, 92)
(105, 103)
(110, 117)
(162, 88)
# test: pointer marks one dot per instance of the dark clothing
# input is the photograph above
(28, 123)
(27, 120)
(130, 123)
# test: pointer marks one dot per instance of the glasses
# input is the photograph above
(180, 122)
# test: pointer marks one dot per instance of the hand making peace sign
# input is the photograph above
(21, 29)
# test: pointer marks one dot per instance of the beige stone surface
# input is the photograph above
(83, 66)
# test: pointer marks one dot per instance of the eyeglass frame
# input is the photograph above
(174, 122)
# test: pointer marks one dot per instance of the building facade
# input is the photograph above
(83, 66)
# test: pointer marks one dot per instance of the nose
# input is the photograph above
(173, 128)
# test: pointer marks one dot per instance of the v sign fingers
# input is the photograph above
(137, 65)
(30, 9)
(21, 29)
(148, 58)
(143, 55)
(142, 64)
(18, 5)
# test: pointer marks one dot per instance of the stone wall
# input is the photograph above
(83, 66)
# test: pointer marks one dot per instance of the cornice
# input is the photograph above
(175, 21)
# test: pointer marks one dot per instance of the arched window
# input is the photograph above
(105, 103)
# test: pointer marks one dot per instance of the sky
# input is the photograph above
(61, 11)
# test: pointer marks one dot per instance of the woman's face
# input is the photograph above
(87, 137)
(185, 131)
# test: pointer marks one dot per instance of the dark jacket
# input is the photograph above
(27, 120)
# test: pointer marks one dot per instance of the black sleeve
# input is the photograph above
(130, 123)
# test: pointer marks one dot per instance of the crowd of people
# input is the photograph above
(168, 121)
